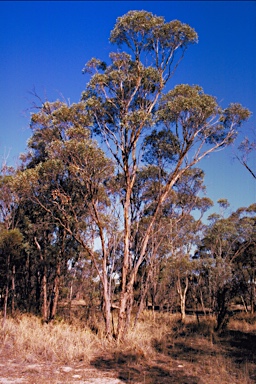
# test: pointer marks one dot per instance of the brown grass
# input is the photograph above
(33, 341)
(244, 322)
(159, 350)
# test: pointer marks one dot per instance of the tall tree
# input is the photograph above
(133, 115)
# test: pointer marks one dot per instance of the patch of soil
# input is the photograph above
(15, 371)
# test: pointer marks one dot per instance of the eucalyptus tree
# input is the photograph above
(225, 245)
(244, 259)
(185, 230)
(10, 239)
(44, 242)
(174, 234)
(8, 201)
(131, 108)
(10, 250)
(68, 176)
(246, 151)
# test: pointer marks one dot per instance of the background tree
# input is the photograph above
(246, 150)
(10, 245)
(66, 175)
(173, 236)
(10, 239)
(226, 243)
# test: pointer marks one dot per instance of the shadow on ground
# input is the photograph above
(131, 369)
(186, 358)
(240, 346)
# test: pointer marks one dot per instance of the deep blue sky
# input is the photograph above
(44, 45)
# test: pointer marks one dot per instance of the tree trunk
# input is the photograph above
(129, 311)
(44, 308)
(70, 298)
(244, 304)
(121, 316)
(182, 295)
(144, 291)
(107, 310)
(6, 290)
(55, 292)
(222, 303)
(124, 315)
(44, 296)
(126, 286)
(27, 291)
(5, 303)
(183, 308)
(252, 298)
(13, 290)
(202, 302)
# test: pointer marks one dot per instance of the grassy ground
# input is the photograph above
(160, 350)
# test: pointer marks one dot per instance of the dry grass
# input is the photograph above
(244, 322)
(159, 350)
(33, 341)
(140, 340)
(162, 349)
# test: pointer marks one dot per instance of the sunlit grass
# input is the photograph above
(244, 322)
(31, 340)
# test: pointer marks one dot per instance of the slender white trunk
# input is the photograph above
(182, 293)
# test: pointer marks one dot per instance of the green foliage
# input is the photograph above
(229, 246)
(10, 241)
(161, 147)
(141, 30)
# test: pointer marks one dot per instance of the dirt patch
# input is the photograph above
(103, 370)
(13, 371)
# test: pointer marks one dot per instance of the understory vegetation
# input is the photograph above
(159, 349)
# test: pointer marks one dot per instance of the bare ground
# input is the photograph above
(14, 371)
(103, 370)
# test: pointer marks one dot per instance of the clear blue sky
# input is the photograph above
(44, 45)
